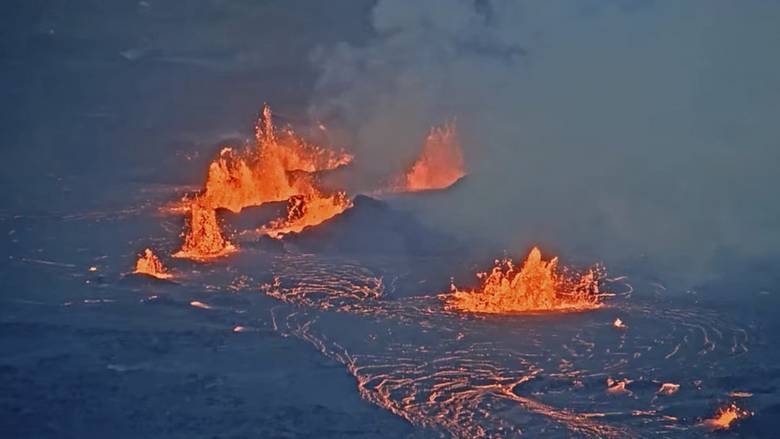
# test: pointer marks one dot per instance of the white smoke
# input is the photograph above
(640, 133)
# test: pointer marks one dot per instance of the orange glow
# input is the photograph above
(148, 263)
(306, 211)
(198, 304)
(262, 174)
(535, 286)
(725, 417)
(294, 153)
(668, 389)
(618, 387)
(203, 239)
(439, 165)
(277, 168)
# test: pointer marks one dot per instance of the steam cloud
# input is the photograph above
(639, 133)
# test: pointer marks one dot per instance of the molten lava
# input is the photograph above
(203, 239)
(149, 264)
(536, 286)
(725, 417)
(278, 168)
(439, 165)
(294, 153)
(618, 387)
(304, 211)
(668, 389)
(262, 174)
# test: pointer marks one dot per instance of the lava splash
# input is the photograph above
(439, 165)
(725, 417)
(149, 264)
(535, 286)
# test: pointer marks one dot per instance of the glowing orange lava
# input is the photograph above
(199, 304)
(536, 286)
(725, 417)
(668, 389)
(439, 165)
(305, 211)
(277, 168)
(203, 239)
(618, 387)
(149, 264)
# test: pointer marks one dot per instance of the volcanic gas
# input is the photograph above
(439, 165)
(279, 166)
(535, 286)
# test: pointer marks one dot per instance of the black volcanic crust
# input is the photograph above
(252, 217)
(372, 226)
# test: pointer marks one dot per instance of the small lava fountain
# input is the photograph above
(439, 165)
(149, 264)
(725, 417)
(535, 286)
(203, 238)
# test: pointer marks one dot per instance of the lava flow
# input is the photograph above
(149, 264)
(304, 211)
(439, 165)
(278, 168)
(725, 417)
(536, 286)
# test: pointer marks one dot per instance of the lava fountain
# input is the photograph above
(279, 167)
(203, 238)
(535, 286)
(149, 264)
(439, 165)
(254, 176)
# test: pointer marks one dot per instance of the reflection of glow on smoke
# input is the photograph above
(439, 165)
